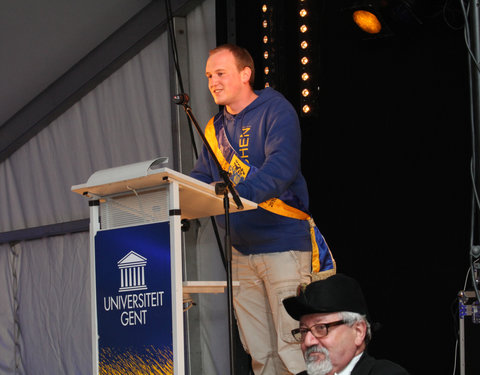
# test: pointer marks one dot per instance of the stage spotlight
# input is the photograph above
(382, 18)
(367, 21)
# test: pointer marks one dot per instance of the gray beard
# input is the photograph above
(315, 367)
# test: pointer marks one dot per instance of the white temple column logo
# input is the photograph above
(132, 272)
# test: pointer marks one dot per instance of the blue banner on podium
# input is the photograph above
(134, 300)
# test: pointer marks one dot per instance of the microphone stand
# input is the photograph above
(221, 188)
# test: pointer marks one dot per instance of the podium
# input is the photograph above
(136, 214)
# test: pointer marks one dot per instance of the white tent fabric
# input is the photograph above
(53, 307)
(126, 119)
(9, 362)
(44, 283)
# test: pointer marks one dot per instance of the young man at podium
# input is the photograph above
(256, 138)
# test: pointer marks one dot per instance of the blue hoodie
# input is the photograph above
(272, 144)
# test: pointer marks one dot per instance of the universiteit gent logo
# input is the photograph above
(135, 304)
(132, 272)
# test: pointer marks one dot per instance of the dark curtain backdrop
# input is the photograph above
(387, 162)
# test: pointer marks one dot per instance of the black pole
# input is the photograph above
(472, 38)
(474, 23)
(228, 256)
(474, 31)
(220, 189)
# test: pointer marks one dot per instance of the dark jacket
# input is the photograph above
(267, 131)
(368, 365)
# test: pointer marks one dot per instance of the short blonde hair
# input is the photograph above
(242, 58)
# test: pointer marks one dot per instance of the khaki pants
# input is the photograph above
(264, 325)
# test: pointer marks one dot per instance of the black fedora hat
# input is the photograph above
(333, 294)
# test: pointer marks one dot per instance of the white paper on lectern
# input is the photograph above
(126, 172)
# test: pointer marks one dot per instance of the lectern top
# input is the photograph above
(197, 199)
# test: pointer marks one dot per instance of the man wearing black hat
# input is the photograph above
(334, 330)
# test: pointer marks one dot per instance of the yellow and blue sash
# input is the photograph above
(323, 264)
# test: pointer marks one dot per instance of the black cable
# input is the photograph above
(173, 43)
(467, 35)
(445, 10)
(473, 67)
(473, 173)
(473, 168)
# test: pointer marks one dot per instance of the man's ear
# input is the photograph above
(360, 332)
(245, 74)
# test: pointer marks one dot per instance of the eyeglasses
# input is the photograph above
(318, 330)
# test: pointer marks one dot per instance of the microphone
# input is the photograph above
(181, 99)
